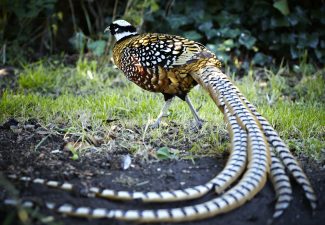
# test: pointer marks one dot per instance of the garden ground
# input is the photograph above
(52, 161)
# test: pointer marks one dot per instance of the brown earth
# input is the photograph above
(41, 154)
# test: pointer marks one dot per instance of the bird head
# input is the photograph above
(121, 29)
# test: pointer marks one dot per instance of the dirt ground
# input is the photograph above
(29, 153)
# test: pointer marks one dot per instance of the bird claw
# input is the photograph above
(155, 125)
(198, 124)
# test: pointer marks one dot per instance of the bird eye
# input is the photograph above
(116, 29)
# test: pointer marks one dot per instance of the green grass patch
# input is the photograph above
(81, 99)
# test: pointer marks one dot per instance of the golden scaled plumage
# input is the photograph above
(155, 71)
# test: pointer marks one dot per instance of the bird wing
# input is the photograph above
(167, 51)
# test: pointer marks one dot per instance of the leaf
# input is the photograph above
(177, 21)
(223, 56)
(70, 147)
(247, 40)
(193, 35)
(166, 153)
(261, 59)
(206, 26)
(288, 38)
(294, 52)
(312, 40)
(154, 7)
(78, 41)
(212, 47)
(224, 19)
(279, 22)
(227, 45)
(196, 15)
(293, 19)
(97, 47)
(322, 44)
(302, 40)
(229, 32)
(282, 6)
(320, 53)
(163, 153)
(212, 33)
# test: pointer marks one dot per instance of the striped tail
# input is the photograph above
(275, 142)
(285, 155)
(281, 185)
(279, 146)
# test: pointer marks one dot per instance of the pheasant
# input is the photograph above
(173, 65)
(155, 63)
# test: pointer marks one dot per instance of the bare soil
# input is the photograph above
(40, 154)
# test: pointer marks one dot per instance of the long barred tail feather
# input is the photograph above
(282, 151)
(238, 156)
(281, 185)
(271, 135)
(49, 183)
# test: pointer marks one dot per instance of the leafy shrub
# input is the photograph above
(261, 32)
(255, 29)
(23, 24)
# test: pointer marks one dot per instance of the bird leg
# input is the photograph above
(163, 113)
(198, 120)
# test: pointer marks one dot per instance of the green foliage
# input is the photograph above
(315, 83)
(97, 47)
(19, 26)
(238, 31)
(74, 99)
(282, 6)
(136, 10)
(166, 153)
(37, 78)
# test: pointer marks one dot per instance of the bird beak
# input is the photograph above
(106, 30)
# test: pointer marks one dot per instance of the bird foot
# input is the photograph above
(200, 123)
(155, 125)
(197, 125)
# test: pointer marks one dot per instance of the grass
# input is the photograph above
(80, 100)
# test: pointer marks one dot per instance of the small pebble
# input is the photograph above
(56, 151)
(126, 162)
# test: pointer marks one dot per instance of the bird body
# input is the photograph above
(161, 63)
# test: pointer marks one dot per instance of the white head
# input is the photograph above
(121, 29)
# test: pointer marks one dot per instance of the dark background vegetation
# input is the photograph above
(242, 33)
